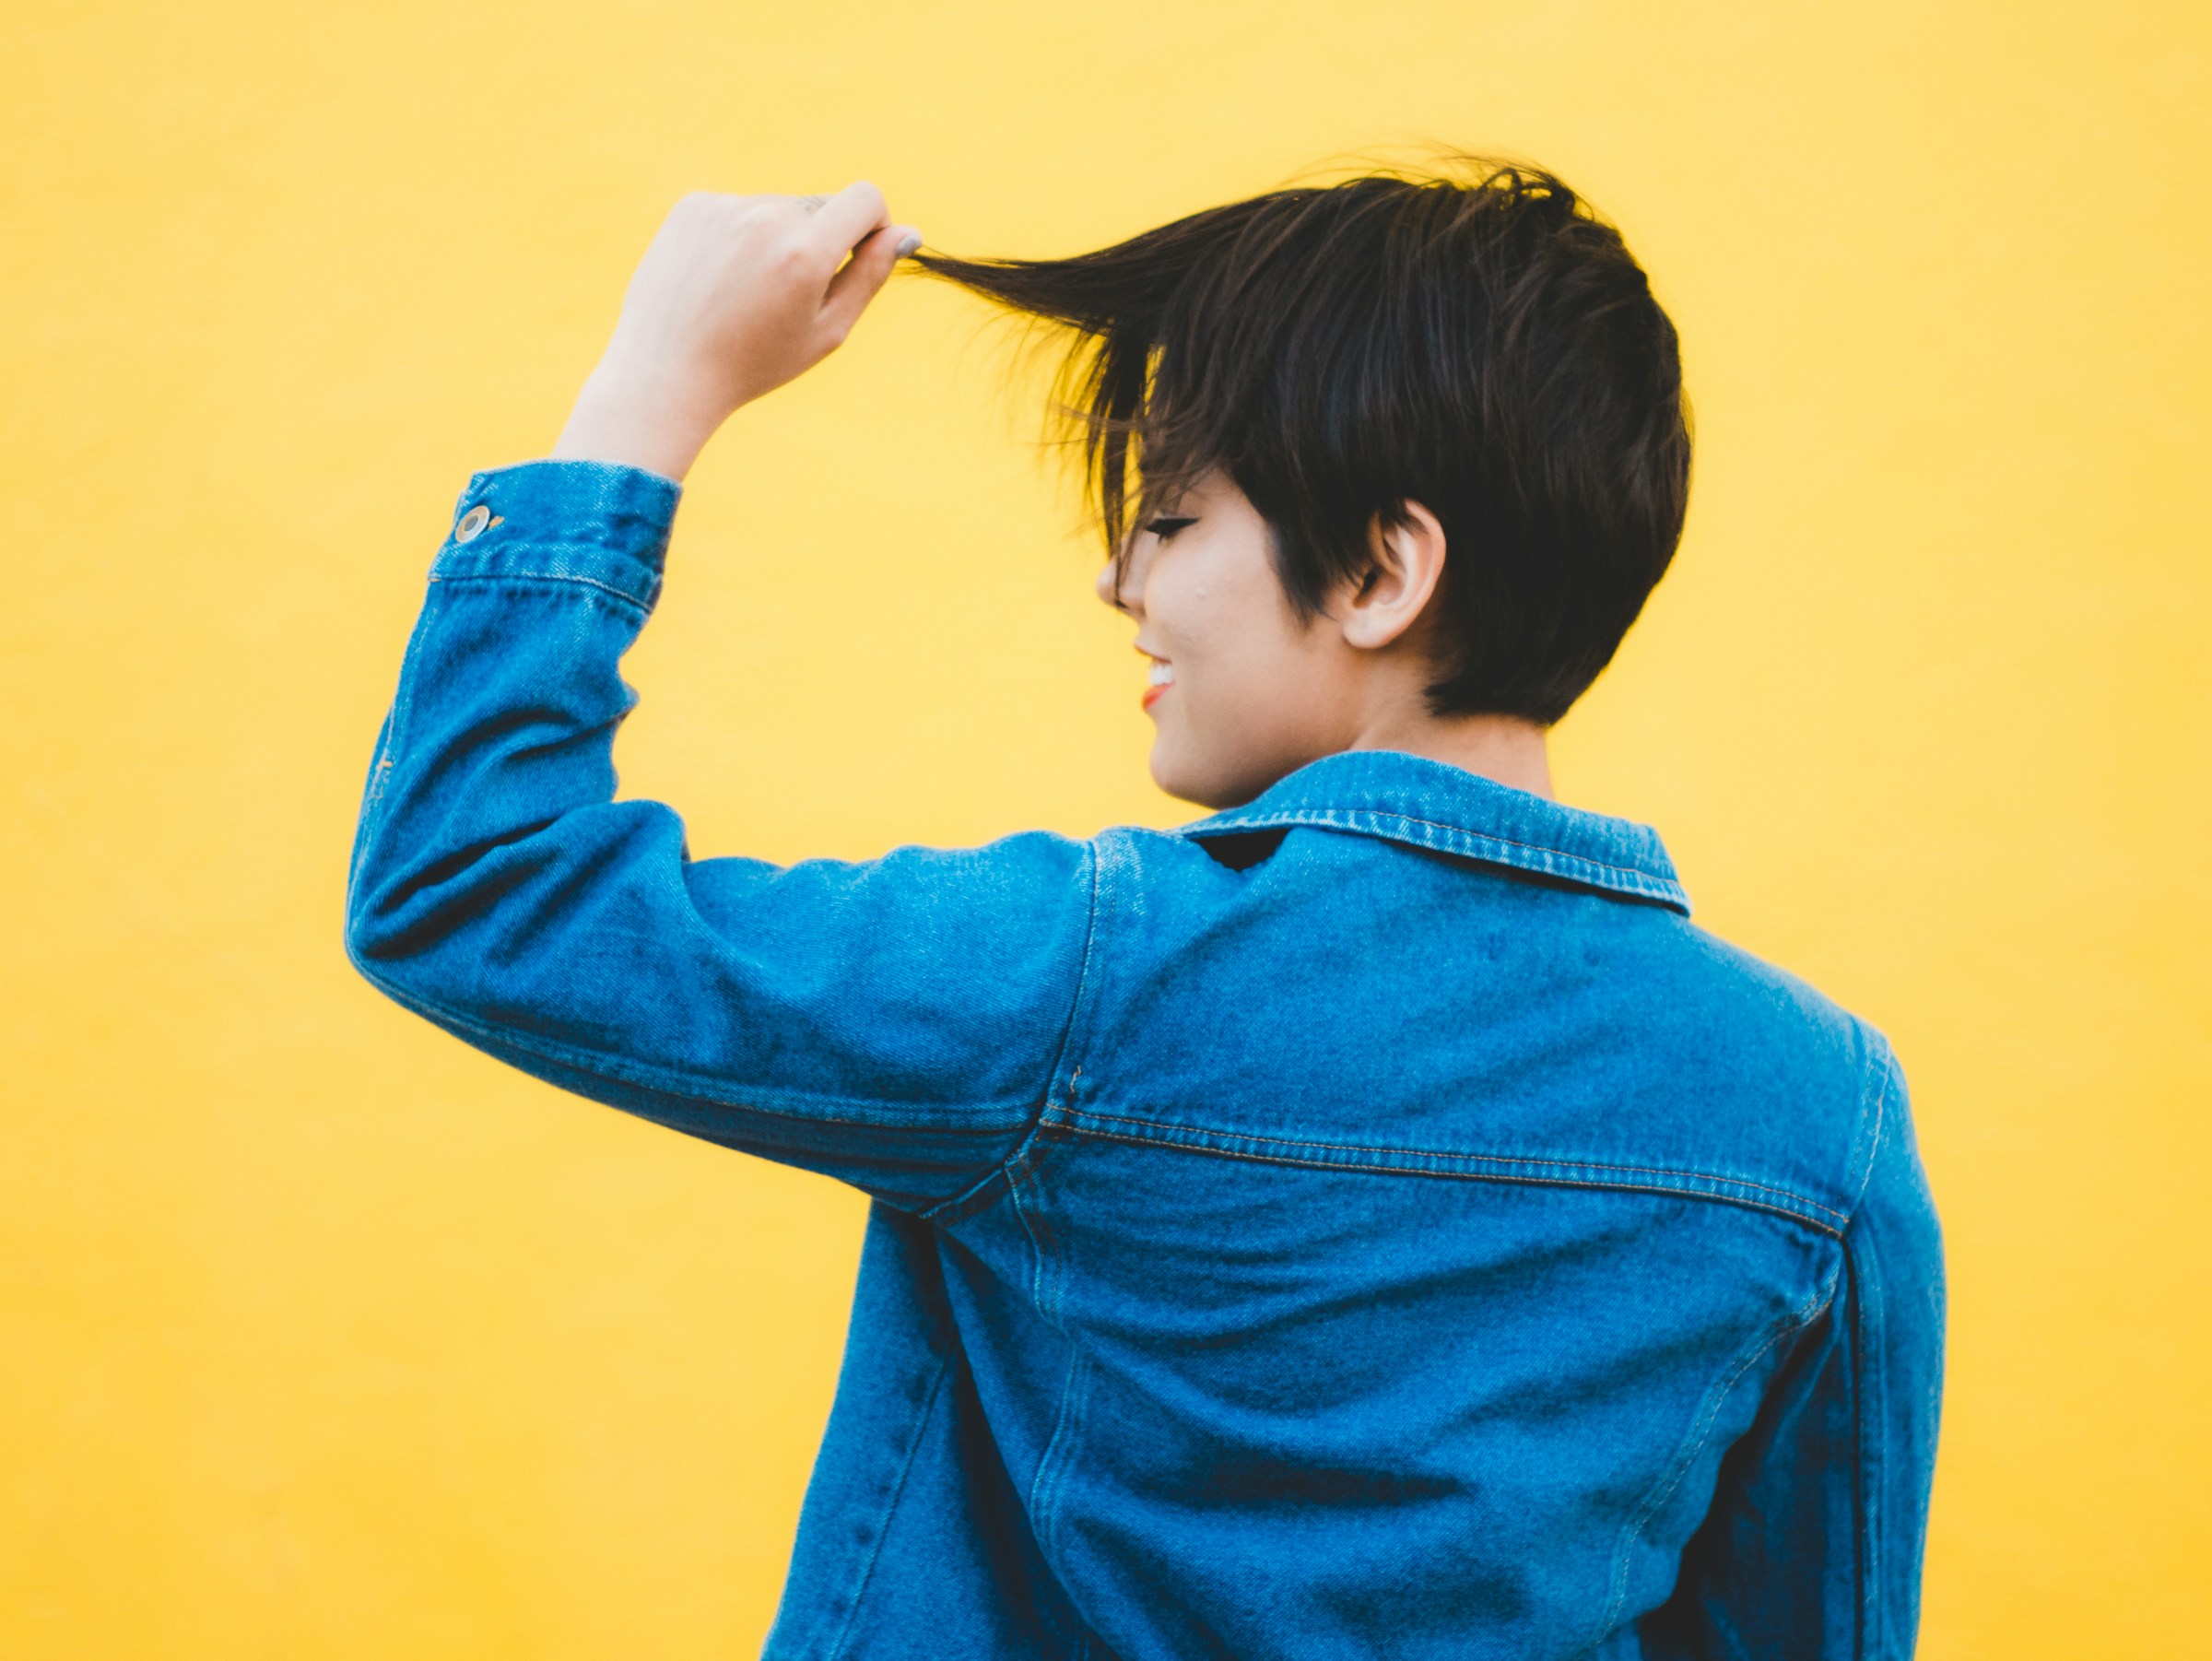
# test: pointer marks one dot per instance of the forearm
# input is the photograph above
(504, 723)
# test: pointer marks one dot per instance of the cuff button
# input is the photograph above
(472, 524)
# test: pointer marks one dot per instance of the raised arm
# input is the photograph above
(896, 1023)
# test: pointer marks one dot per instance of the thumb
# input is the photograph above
(865, 274)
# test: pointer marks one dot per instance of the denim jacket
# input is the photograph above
(1372, 1221)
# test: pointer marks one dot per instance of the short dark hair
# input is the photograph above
(1474, 338)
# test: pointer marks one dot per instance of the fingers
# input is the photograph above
(863, 275)
(847, 217)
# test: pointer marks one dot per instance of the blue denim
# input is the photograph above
(1372, 1221)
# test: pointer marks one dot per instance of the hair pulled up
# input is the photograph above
(1475, 339)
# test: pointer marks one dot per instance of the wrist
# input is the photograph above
(639, 418)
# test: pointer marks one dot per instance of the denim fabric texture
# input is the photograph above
(1375, 1221)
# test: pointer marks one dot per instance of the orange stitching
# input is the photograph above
(538, 576)
(1472, 1176)
(1430, 1153)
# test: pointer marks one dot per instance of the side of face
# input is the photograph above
(1242, 690)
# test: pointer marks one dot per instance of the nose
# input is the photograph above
(1121, 583)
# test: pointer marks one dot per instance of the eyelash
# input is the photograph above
(1165, 527)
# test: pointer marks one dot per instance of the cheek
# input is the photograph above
(1238, 650)
(1178, 613)
(1195, 614)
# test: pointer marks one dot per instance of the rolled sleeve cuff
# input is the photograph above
(603, 523)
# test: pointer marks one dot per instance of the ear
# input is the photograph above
(1407, 564)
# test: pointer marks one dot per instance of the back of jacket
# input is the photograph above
(1372, 1221)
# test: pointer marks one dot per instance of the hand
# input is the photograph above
(735, 296)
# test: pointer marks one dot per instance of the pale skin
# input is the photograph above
(738, 295)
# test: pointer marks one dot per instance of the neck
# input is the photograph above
(1503, 747)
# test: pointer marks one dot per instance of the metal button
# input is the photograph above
(472, 524)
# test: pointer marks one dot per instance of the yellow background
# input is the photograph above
(322, 1336)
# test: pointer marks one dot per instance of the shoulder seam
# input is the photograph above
(1879, 1070)
(981, 1194)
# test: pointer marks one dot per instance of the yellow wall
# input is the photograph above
(321, 1335)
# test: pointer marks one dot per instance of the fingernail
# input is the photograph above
(908, 242)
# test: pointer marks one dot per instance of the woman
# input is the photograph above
(1369, 1221)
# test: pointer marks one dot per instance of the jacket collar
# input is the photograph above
(1446, 810)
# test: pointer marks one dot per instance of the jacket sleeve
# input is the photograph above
(894, 1023)
(1813, 1545)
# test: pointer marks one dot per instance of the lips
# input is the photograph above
(1161, 678)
